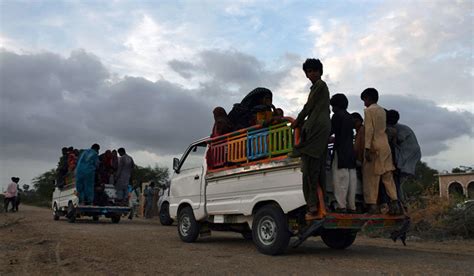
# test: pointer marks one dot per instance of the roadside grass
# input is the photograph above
(435, 218)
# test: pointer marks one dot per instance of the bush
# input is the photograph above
(437, 218)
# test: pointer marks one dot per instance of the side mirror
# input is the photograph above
(175, 164)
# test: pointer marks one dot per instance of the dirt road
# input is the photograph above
(32, 243)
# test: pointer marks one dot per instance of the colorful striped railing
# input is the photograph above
(257, 144)
(250, 144)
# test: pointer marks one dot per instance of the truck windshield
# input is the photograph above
(195, 158)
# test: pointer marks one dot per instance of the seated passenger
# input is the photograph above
(242, 113)
(278, 116)
(222, 124)
(261, 115)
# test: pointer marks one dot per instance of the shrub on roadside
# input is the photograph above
(438, 218)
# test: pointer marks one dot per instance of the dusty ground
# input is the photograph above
(32, 243)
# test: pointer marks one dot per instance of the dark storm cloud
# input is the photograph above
(183, 68)
(434, 126)
(48, 101)
(232, 74)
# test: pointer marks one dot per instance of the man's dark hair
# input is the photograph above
(370, 93)
(357, 116)
(312, 63)
(152, 184)
(339, 100)
(95, 147)
(392, 117)
(64, 150)
(121, 151)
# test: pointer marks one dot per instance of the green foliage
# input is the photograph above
(44, 184)
(147, 174)
(425, 179)
(457, 170)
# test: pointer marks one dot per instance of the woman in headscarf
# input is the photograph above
(222, 124)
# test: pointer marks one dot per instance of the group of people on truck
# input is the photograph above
(255, 109)
(92, 171)
(383, 151)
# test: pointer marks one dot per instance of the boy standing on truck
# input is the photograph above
(344, 161)
(85, 174)
(378, 164)
(316, 126)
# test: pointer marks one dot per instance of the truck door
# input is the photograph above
(188, 181)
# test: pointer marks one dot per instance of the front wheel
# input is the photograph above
(270, 230)
(338, 238)
(188, 227)
(165, 218)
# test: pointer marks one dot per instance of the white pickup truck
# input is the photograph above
(65, 202)
(254, 192)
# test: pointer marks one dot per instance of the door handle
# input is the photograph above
(196, 177)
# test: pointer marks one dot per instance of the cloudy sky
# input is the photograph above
(145, 75)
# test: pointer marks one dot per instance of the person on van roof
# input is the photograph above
(344, 160)
(378, 165)
(222, 124)
(85, 174)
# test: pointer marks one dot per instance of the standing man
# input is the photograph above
(85, 174)
(407, 151)
(316, 126)
(11, 193)
(122, 178)
(378, 163)
(344, 160)
(149, 194)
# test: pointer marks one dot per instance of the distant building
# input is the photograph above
(461, 184)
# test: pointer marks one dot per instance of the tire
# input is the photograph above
(71, 213)
(95, 218)
(338, 238)
(55, 212)
(115, 218)
(165, 218)
(270, 230)
(247, 235)
(188, 227)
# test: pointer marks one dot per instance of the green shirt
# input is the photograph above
(316, 128)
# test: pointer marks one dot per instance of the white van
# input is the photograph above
(66, 203)
(254, 188)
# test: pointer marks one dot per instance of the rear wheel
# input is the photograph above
(71, 213)
(55, 212)
(95, 218)
(115, 218)
(338, 238)
(270, 230)
(165, 218)
(188, 227)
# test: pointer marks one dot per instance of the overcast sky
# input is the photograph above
(145, 75)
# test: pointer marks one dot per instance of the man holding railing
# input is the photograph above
(316, 126)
